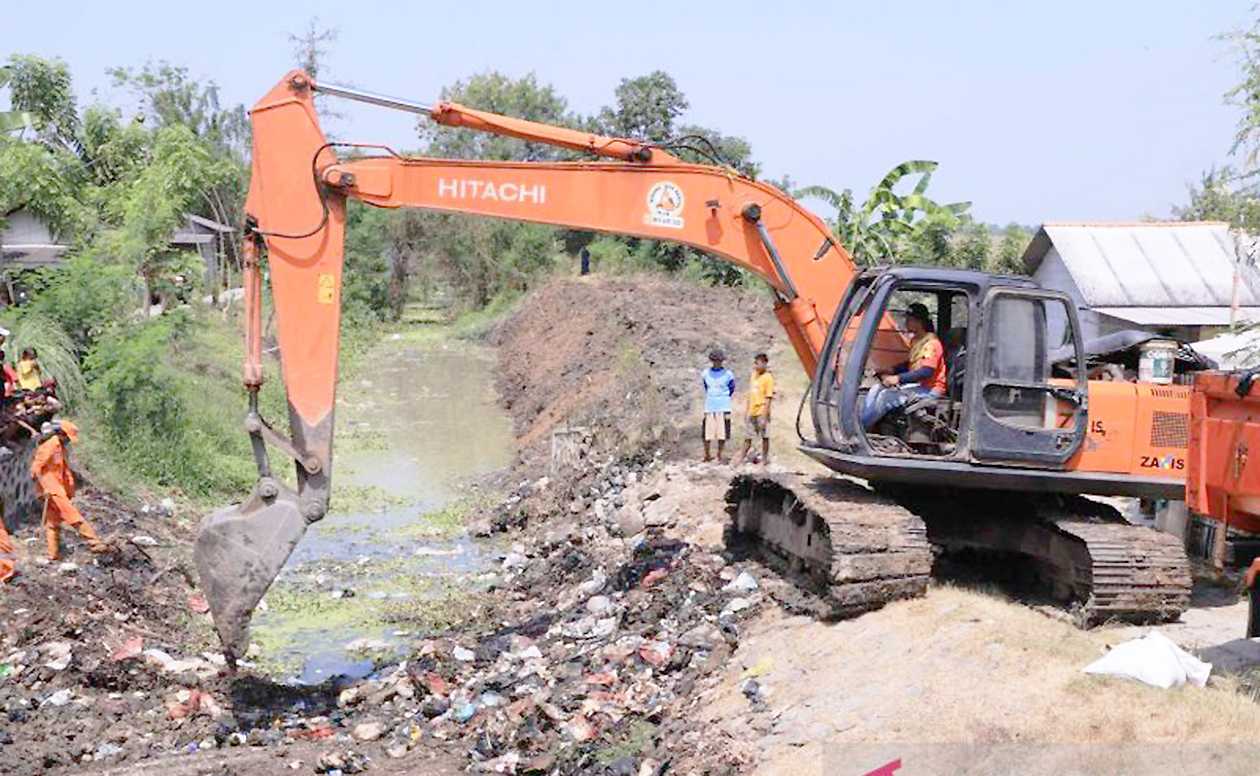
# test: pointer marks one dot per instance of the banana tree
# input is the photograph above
(886, 220)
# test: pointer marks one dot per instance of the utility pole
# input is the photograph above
(1244, 255)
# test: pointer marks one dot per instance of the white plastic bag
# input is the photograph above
(1153, 659)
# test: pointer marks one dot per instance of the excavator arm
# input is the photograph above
(295, 213)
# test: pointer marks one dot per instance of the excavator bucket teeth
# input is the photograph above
(238, 552)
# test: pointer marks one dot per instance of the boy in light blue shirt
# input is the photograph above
(719, 387)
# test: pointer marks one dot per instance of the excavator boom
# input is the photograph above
(296, 210)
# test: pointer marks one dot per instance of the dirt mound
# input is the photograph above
(622, 357)
(75, 634)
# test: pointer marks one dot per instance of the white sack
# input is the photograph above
(1153, 659)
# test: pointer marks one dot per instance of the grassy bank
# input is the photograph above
(166, 407)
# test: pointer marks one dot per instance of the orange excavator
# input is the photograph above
(992, 469)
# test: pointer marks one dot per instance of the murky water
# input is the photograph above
(418, 422)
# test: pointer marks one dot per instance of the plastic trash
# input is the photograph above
(1153, 659)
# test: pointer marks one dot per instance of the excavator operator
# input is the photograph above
(923, 374)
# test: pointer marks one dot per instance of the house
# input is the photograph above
(208, 239)
(1172, 277)
(26, 241)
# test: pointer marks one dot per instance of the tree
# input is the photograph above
(646, 108)
(523, 98)
(173, 181)
(46, 182)
(1010, 250)
(41, 90)
(877, 231)
(169, 96)
(12, 120)
(702, 145)
(1246, 94)
(311, 48)
(1222, 195)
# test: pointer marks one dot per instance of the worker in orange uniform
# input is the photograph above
(51, 470)
(8, 569)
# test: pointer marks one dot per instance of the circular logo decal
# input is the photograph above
(664, 206)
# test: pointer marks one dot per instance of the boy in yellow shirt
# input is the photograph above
(30, 376)
(760, 397)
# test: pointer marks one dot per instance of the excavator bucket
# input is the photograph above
(238, 552)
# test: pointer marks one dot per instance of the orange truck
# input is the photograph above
(1222, 487)
(989, 467)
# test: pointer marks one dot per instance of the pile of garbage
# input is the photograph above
(603, 639)
(93, 647)
(602, 630)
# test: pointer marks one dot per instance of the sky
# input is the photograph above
(1071, 110)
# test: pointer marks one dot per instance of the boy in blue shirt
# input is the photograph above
(719, 387)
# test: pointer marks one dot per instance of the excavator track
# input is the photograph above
(1080, 551)
(1126, 572)
(856, 549)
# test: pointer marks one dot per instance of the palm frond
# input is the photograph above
(56, 351)
(830, 196)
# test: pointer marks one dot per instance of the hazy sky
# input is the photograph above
(1037, 111)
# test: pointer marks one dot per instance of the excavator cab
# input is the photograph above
(1006, 399)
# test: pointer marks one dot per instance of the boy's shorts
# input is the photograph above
(757, 427)
(716, 427)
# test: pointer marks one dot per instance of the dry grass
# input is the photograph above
(959, 667)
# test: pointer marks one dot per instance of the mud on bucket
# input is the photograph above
(238, 552)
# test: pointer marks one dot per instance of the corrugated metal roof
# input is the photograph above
(1148, 264)
(1178, 316)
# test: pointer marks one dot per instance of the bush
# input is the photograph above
(165, 422)
(613, 255)
(83, 296)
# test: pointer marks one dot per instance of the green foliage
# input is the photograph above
(44, 181)
(1222, 195)
(366, 294)
(170, 97)
(115, 150)
(134, 391)
(41, 88)
(1010, 251)
(84, 295)
(731, 151)
(13, 120)
(164, 406)
(523, 98)
(172, 183)
(887, 220)
(484, 257)
(1246, 93)
(58, 357)
(614, 256)
(646, 108)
